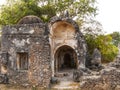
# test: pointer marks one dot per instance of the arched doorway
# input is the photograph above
(65, 58)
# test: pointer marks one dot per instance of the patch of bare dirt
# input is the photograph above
(66, 82)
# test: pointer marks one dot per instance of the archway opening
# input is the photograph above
(65, 58)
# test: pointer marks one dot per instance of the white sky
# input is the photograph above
(2, 1)
(108, 14)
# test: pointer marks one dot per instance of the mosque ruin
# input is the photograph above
(33, 51)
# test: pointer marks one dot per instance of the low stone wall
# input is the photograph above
(108, 79)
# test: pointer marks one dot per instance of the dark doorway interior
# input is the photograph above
(68, 61)
(65, 58)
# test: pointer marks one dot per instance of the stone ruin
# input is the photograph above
(33, 53)
(107, 78)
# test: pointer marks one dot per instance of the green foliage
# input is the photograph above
(103, 43)
(108, 50)
(115, 38)
(95, 38)
(14, 10)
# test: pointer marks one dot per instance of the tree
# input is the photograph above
(108, 50)
(14, 10)
(115, 38)
(103, 43)
(92, 27)
(95, 38)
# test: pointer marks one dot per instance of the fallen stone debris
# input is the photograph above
(105, 79)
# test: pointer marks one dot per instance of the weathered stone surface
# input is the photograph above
(94, 63)
(61, 74)
(31, 49)
(54, 80)
(108, 79)
(115, 63)
(29, 39)
(65, 38)
(30, 20)
(96, 57)
(40, 65)
(4, 79)
(79, 73)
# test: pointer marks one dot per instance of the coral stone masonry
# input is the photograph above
(32, 52)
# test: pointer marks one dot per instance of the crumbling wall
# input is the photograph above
(107, 79)
(65, 31)
(31, 39)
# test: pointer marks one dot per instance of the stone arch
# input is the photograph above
(65, 31)
(68, 20)
(30, 19)
(65, 58)
(62, 29)
(57, 47)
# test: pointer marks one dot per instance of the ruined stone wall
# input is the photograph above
(65, 31)
(38, 48)
(33, 40)
(106, 79)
